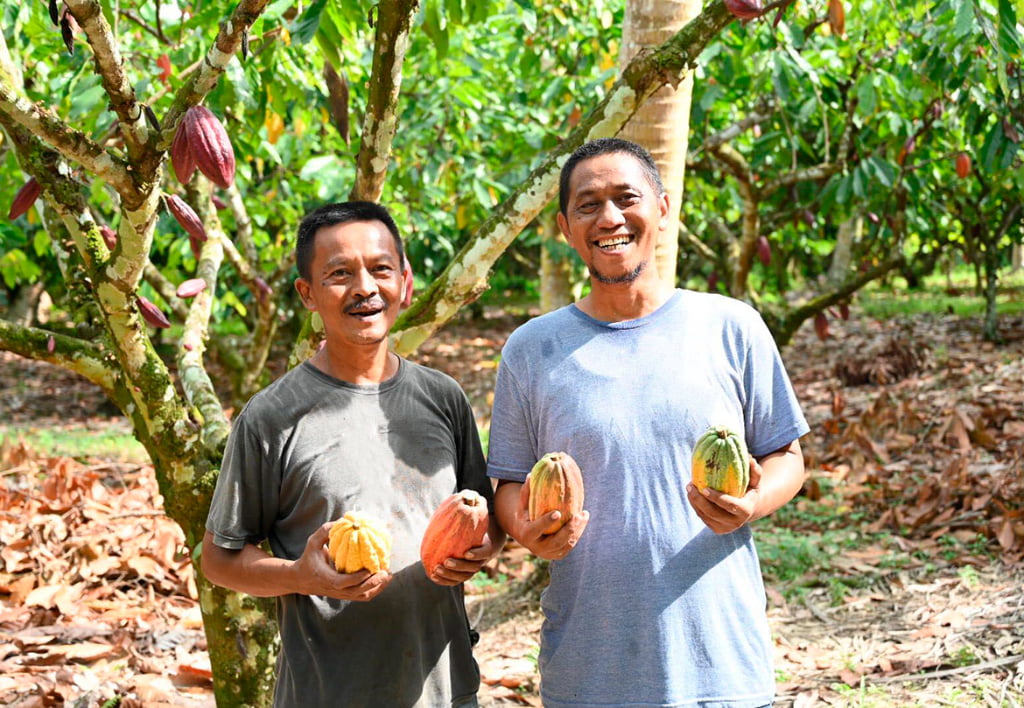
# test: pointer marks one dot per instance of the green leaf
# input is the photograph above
(304, 28)
(964, 25)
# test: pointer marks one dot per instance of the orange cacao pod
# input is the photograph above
(458, 524)
(556, 484)
(210, 147)
(358, 542)
(963, 165)
(25, 198)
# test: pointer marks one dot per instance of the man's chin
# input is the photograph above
(622, 278)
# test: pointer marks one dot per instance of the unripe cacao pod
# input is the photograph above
(151, 313)
(458, 524)
(25, 198)
(210, 146)
(745, 9)
(109, 236)
(187, 217)
(191, 288)
(359, 542)
(556, 484)
(721, 461)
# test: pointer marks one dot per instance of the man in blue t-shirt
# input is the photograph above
(656, 597)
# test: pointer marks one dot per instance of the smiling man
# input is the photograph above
(656, 596)
(354, 428)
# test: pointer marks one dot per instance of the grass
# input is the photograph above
(942, 295)
(111, 443)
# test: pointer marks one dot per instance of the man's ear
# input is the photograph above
(302, 287)
(407, 286)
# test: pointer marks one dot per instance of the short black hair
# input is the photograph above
(340, 213)
(605, 146)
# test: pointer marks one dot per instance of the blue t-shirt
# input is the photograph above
(651, 608)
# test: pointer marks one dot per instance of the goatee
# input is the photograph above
(618, 279)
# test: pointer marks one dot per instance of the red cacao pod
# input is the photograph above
(109, 236)
(187, 217)
(51, 344)
(458, 524)
(821, 326)
(745, 9)
(25, 198)
(556, 484)
(218, 203)
(182, 161)
(191, 288)
(210, 146)
(963, 165)
(151, 313)
(764, 250)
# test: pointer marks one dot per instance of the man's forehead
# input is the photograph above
(618, 171)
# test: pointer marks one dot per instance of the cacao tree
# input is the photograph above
(161, 155)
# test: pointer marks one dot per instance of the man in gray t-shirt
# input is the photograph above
(656, 596)
(354, 428)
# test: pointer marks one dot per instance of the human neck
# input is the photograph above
(620, 302)
(357, 364)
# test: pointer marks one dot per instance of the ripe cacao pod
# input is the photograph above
(210, 146)
(556, 484)
(151, 313)
(745, 9)
(25, 198)
(359, 542)
(187, 217)
(458, 524)
(963, 165)
(721, 461)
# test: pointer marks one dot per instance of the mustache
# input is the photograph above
(374, 302)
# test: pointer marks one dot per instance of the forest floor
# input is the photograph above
(895, 579)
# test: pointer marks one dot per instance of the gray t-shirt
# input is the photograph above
(308, 449)
(651, 608)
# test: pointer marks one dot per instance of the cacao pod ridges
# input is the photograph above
(720, 461)
(556, 484)
(459, 523)
(358, 542)
(187, 217)
(209, 146)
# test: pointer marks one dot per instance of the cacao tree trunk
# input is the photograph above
(662, 123)
(848, 235)
(555, 266)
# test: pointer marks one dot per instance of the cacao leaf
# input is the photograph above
(837, 17)
(151, 313)
(210, 146)
(191, 288)
(963, 165)
(54, 13)
(109, 236)
(745, 9)
(187, 217)
(67, 34)
(25, 198)
(182, 161)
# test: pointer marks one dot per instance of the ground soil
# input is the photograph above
(925, 448)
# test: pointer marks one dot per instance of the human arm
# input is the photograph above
(511, 504)
(255, 572)
(775, 478)
(458, 570)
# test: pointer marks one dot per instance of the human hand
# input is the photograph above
(458, 570)
(318, 575)
(723, 513)
(530, 534)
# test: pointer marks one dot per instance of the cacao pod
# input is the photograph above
(745, 9)
(721, 461)
(963, 165)
(359, 542)
(556, 484)
(821, 326)
(191, 288)
(151, 313)
(187, 217)
(218, 202)
(181, 157)
(25, 198)
(837, 17)
(764, 250)
(210, 146)
(51, 344)
(458, 524)
(109, 236)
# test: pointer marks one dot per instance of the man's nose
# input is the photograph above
(363, 283)
(609, 215)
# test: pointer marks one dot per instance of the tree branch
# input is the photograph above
(84, 358)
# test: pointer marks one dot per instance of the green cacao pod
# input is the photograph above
(721, 461)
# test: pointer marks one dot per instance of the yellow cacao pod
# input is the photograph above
(721, 461)
(556, 484)
(359, 542)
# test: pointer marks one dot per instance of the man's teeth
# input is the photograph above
(612, 242)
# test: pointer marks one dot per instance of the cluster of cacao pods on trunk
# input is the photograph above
(202, 143)
(556, 484)
(358, 542)
(721, 461)
(458, 524)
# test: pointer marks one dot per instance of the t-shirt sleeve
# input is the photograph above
(771, 410)
(244, 501)
(512, 447)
